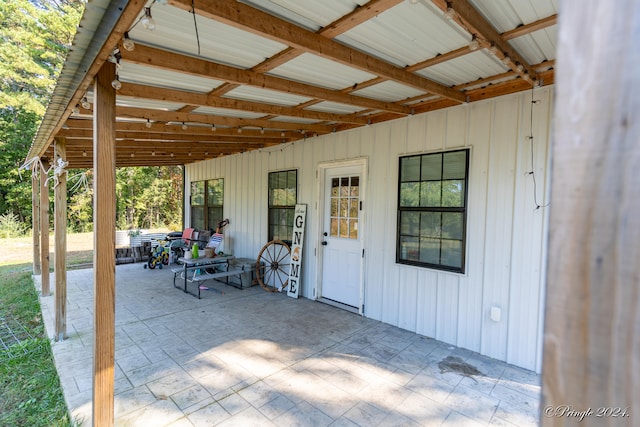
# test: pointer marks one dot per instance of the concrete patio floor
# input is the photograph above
(252, 358)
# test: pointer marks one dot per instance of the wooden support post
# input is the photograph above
(104, 262)
(60, 232)
(44, 229)
(591, 370)
(35, 222)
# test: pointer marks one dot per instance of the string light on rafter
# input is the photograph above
(148, 124)
(474, 44)
(127, 43)
(213, 128)
(75, 110)
(147, 21)
(184, 126)
(450, 13)
(85, 103)
(116, 84)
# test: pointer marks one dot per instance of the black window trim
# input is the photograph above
(464, 211)
(206, 205)
(269, 206)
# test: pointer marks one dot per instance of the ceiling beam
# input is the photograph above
(149, 56)
(473, 22)
(523, 30)
(177, 116)
(261, 23)
(169, 129)
(359, 15)
(206, 100)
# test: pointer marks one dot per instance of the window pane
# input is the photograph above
(353, 208)
(409, 223)
(452, 253)
(455, 165)
(215, 192)
(344, 187)
(409, 248)
(344, 208)
(197, 193)
(344, 228)
(291, 196)
(453, 193)
(431, 167)
(430, 250)
(353, 229)
(335, 187)
(430, 193)
(430, 225)
(410, 194)
(334, 206)
(452, 225)
(197, 217)
(355, 186)
(334, 227)
(410, 169)
(215, 216)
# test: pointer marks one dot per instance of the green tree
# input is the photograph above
(34, 40)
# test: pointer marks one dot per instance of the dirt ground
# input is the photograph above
(20, 250)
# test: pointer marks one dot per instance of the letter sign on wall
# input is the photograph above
(296, 250)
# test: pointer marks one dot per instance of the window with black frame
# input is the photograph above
(283, 196)
(207, 203)
(432, 210)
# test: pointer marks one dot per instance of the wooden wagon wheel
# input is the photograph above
(272, 266)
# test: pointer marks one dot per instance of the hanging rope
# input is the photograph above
(83, 182)
(34, 164)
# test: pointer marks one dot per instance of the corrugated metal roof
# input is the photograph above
(312, 15)
(334, 107)
(467, 68)
(227, 112)
(321, 72)
(406, 34)
(506, 15)
(152, 76)
(389, 91)
(248, 93)
(125, 101)
(269, 54)
(176, 31)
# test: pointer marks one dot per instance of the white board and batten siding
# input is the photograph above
(506, 233)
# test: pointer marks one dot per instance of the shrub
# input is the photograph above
(10, 226)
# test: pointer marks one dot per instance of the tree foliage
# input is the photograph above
(34, 39)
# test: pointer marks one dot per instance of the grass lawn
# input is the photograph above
(30, 391)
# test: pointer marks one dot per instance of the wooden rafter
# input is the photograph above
(472, 21)
(250, 19)
(206, 100)
(166, 60)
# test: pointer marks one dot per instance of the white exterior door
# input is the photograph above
(341, 236)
